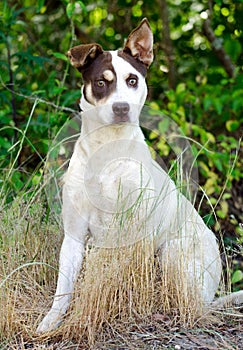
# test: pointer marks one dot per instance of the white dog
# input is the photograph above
(113, 190)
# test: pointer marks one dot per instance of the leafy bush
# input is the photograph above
(39, 92)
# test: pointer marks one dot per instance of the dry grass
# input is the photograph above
(118, 292)
(121, 286)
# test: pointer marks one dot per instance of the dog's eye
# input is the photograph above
(100, 83)
(132, 82)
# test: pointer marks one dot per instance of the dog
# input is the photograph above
(112, 177)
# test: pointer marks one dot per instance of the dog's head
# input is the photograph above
(115, 79)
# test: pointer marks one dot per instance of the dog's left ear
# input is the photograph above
(82, 55)
(140, 43)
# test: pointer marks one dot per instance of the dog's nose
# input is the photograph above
(120, 109)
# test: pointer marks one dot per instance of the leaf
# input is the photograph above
(60, 55)
(233, 48)
(227, 195)
(237, 276)
(221, 214)
(218, 105)
(209, 220)
(218, 162)
(170, 94)
(210, 186)
(153, 135)
(224, 207)
(207, 102)
(210, 137)
(70, 9)
(164, 125)
(163, 147)
(232, 125)
(83, 7)
(204, 168)
(154, 105)
(237, 104)
(40, 5)
(180, 88)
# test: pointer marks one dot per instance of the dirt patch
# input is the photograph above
(157, 332)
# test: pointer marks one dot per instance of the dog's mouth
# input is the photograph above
(121, 119)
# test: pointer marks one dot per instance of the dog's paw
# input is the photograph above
(49, 323)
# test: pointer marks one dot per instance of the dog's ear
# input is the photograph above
(82, 55)
(140, 43)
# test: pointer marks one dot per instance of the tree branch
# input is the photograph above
(167, 44)
(218, 48)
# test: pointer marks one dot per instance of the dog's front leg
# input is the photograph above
(71, 257)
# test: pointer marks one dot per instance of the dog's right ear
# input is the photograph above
(140, 43)
(82, 55)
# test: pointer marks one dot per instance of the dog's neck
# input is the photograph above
(98, 133)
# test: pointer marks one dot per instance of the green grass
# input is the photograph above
(116, 286)
(117, 289)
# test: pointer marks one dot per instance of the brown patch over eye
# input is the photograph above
(102, 77)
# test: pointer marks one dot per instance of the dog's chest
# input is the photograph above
(121, 199)
(118, 174)
(118, 184)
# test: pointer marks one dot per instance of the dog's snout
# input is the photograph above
(120, 109)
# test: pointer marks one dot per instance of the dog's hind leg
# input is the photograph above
(195, 264)
(205, 264)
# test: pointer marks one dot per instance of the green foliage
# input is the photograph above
(39, 92)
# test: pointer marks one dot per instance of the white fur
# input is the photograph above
(110, 168)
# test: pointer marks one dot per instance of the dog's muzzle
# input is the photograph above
(120, 110)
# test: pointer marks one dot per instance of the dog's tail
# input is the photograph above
(233, 299)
